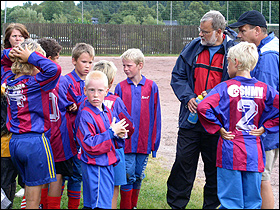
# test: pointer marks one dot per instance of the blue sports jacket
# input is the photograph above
(182, 80)
(267, 71)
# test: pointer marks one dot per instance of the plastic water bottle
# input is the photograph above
(193, 116)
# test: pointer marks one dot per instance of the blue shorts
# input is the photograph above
(98, 186)
(32, 155)
(119, 169)
(135, 166)
(239, 189)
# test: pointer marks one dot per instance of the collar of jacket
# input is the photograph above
(195, 47)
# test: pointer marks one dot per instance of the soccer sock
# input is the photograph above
(44, 198)
(73, 199)
(23, 203)
(54, 202)
(62, 189)
(126, 194)
(134, 199)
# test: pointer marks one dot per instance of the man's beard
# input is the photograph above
(211, 42)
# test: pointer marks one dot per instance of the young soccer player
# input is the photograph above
(116, 104)
(28, 116)
(141, 97)
(99, 136)
(241, 109)
(82, 59)
(60, 134)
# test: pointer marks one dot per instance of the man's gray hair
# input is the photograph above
(218, 20)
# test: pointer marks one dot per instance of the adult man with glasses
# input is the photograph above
(252, 28)
(201, 65)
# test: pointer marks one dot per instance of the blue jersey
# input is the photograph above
(61, 134)
(28, 96)
(78, 87)
(6, 64)
(116, 104)
(143, 105)
(94, 135)
(240, 105)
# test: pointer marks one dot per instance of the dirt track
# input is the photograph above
(159, 69)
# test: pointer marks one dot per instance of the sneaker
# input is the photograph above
(20, 193)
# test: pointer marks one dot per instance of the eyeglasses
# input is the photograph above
(203, 32)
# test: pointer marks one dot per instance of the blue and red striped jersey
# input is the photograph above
(240, 105)
(28, 97)
(78, 87)
(143, 105)
(78, 84)
(6, 64)
(94, 135)
(116, 104)
(61, 133)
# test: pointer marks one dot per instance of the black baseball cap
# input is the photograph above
(253, 17)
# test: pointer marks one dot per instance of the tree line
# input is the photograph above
(133, 12)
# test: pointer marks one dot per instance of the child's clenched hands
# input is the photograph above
(119, 127)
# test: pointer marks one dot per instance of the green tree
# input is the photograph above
(130, 20)
(26, 16)
(117, 18)
(237, 8)
(59, 18)
(193, 14)
(149, 20)
(50, 8)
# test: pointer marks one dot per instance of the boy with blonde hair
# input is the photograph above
(241, 109)
(141, 97)
(99, 135)
(82, 58)
(28, 116)
(116, 104)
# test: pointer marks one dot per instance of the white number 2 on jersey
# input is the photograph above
(250, 110)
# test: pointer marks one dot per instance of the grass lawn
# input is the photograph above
(153, 190)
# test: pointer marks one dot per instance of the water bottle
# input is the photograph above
(193, 116)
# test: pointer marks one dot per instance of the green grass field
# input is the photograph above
(153, 190)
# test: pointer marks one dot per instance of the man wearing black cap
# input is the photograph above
(252, 28)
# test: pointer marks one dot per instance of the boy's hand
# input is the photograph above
(119, 127)
(226, 135)
(257, 132)
(22, 54)
(72, 108)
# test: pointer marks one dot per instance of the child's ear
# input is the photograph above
(140, 65)
(236, 63)
(85, 92)
(74, 61)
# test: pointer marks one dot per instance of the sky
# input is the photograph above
(11, 4)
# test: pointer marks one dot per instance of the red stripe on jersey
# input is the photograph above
(127, 97)
(25, 119)
(260, 155)
(144, 124)
(219, 157)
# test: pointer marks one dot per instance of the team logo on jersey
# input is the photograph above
(16, 94)
(245, 91)
(147, 97)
